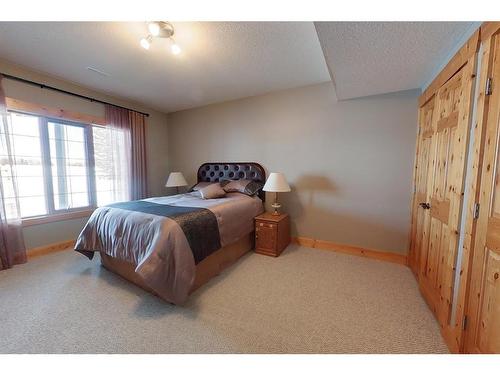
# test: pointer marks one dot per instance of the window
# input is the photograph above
(54, 161)
(26, 154)
(68, 163)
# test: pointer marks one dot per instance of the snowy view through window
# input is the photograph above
(67, 182)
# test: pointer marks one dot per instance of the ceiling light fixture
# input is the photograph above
(154, 28)
(161, 29)
(175, 47)
(146, 42)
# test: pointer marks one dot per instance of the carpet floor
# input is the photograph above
(305, 301)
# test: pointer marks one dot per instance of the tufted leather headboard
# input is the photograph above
(214, 172)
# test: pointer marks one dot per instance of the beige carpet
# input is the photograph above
(305, 301)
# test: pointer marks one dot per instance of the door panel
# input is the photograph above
(447, 181)
(420, 216)
(489, 326)
(436, 234)
(483, 308)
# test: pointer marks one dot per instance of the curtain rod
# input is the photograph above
(44, 86)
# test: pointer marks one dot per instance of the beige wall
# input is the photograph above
(156, 139)
(349, 163)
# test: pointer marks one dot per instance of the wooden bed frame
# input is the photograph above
(208, 268)
(219, 260)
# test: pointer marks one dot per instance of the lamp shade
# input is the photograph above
(176, 179)
(276, 182)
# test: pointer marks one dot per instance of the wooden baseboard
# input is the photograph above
(48, 249)
(303, 241)
(385, 256)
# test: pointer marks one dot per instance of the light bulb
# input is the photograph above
(154, 28)
(175, 49)
(145, 43)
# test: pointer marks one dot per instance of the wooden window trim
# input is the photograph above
(56, 113)
(56, 217)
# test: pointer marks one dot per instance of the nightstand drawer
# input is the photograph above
(264, 225)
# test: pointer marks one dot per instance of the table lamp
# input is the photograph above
(176, 179)
(276, 182)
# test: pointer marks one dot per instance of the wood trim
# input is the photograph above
(382, 255)
(488, 29)
(453, 66)
(48, 249)
(58, 217)
(425, 97)
(37, 109)
(304, 241)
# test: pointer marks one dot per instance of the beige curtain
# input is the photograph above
(12, 249)
(138, 176)
(128, 129)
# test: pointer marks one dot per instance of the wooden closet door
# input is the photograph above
(483, 309)
(420, 218)
(438, 246)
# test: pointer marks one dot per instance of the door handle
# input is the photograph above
(425, 205)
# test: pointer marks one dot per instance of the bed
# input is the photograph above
(171, 246)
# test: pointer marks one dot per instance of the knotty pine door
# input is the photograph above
(436, 220)
(483, 308)
(421, 214)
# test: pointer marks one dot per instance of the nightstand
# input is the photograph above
(272, 233)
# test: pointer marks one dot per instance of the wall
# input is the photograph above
(156, 139)
(349, 163)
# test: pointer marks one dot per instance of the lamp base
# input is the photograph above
(276, 207)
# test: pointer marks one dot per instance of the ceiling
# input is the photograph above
(369, 58)
(223, 61)
(219, 61)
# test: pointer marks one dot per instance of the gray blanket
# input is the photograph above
(198, 224)
(166, 237)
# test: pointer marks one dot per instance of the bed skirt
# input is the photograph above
(209, 267)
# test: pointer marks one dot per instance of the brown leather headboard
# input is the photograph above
(214, 172)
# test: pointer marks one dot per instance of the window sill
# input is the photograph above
(56, 217)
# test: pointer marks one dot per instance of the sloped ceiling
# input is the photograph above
(369, 58)
(219, 61)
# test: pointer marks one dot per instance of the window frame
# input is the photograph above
(54, 214)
